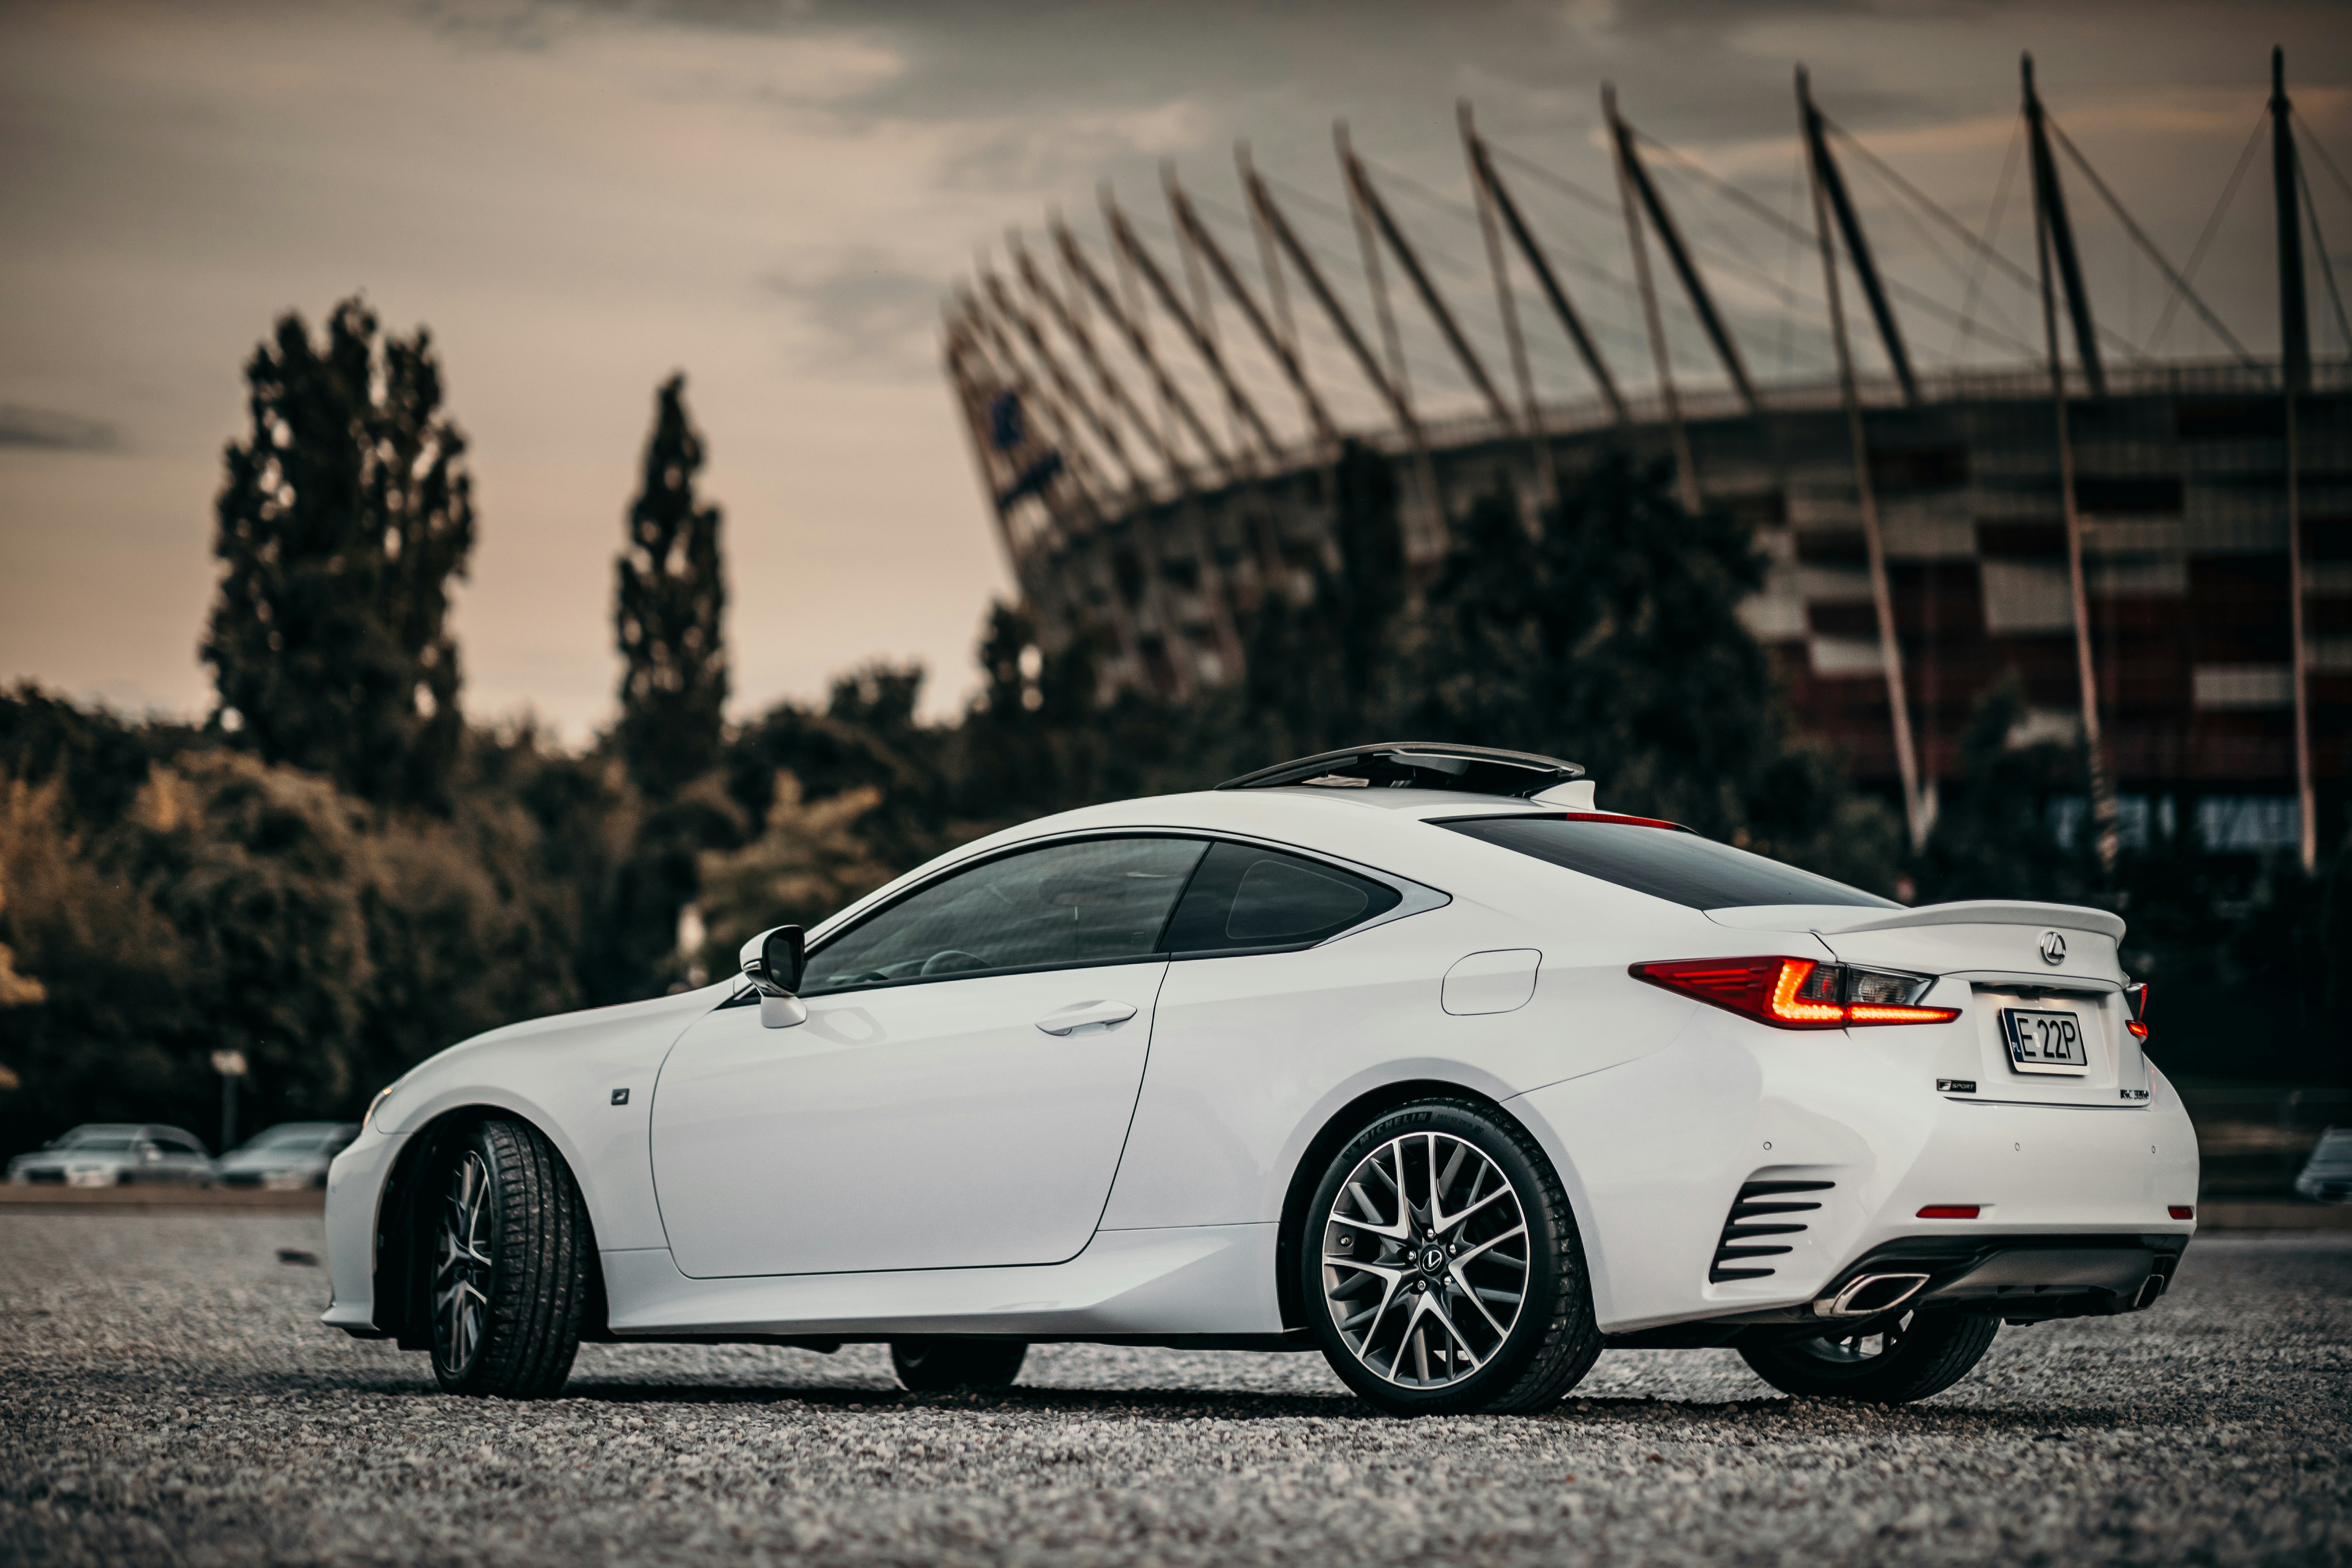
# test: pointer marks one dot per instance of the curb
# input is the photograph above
(30, 1199)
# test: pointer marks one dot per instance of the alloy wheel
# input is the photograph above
(462, 1262)
(1426, 1261)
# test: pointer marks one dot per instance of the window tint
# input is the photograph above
(1249, 898)
(1086, 902)
(178, 1143)
(1682, 867)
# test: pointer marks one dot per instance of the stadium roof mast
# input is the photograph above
(1139, 345)
(1060, 439)
(1123, 236)
(2295, 378)
(1507, 306)
(1482, 171)
(2058, 237)
(1630, 170)
(1686, 465)
(1114, 391)
(1916, 813)
(1831, 184)
(2053, 240)
(1042, 351)
(1189, 225)
(1360, 183)
(1001, 442)
(1263, 204)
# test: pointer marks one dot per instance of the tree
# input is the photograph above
(346, 513)
(670, 600)
(1319, 672)
(1609, 632)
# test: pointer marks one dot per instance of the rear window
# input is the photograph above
(1681, 868)
(1243, 898)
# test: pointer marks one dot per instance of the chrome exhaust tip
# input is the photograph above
(1867, 1294)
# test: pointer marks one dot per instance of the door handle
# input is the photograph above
(1080, 1016)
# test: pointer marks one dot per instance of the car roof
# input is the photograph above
(1375, 829)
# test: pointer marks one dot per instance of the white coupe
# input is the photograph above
(1409, 1054)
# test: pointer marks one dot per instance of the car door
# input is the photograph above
(960, 1092)
(180, 1159)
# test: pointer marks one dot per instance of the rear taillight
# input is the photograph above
(1797, 993)
(2136, 995)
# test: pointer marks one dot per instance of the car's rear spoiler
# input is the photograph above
(1965, 912)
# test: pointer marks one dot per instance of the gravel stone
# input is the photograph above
(166, 1395)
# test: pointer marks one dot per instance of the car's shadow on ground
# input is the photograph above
(2039, 1423)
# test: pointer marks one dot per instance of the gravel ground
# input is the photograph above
(167, 1396)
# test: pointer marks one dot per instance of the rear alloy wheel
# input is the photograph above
(508, 1261)
(936, 1365)
(1885, 1360)
(1443, 1268)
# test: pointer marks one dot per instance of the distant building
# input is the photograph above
(2181, 489)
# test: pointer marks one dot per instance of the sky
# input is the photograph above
(579, 198)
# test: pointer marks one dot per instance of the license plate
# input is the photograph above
(2045, 1042)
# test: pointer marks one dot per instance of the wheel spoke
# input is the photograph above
(1491, 1243)
(1476, 1298)
(1453, 1222)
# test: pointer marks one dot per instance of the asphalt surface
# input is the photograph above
(166, 1395)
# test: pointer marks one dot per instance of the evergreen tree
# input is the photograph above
(670, 602)
(1610, 634)
(346, 513)
(1319, 673)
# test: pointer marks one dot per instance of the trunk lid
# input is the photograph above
(1993, 958)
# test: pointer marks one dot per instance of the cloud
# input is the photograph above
(865, 316)
(45, 429)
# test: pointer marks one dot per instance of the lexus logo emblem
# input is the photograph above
(2054, 948)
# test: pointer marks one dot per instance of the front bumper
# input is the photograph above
(355, 1185)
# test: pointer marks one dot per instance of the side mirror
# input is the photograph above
(783, 957)
(776, 976)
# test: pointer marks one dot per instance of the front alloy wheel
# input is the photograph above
(1447, 1265)
(462, 1266)
(508, 1253)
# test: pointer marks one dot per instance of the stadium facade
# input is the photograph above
(2187, 599)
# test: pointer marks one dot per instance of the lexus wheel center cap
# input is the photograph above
(1433, 1260)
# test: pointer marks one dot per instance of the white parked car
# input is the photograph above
(1409, 1054)
(289, 1155)
(115, 1154)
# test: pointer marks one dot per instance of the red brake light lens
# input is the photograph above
(1799, 993)
(1951, 1211)
(2136, 995)
(2182, 1211)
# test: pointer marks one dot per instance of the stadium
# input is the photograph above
(1958, 472)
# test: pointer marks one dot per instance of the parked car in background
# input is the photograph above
(290, 1154)
(117, 1154)
(2327, 1174)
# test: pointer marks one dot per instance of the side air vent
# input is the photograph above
(1763, 1209)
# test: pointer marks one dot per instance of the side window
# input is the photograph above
(1247, 898)
(1086, 902)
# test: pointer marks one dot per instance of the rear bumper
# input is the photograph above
(1658, 1152)
(2020, 1279)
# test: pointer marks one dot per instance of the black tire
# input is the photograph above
(1891, 1361)
(505, 1306)
(1527, 1362)
(936, 1365)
